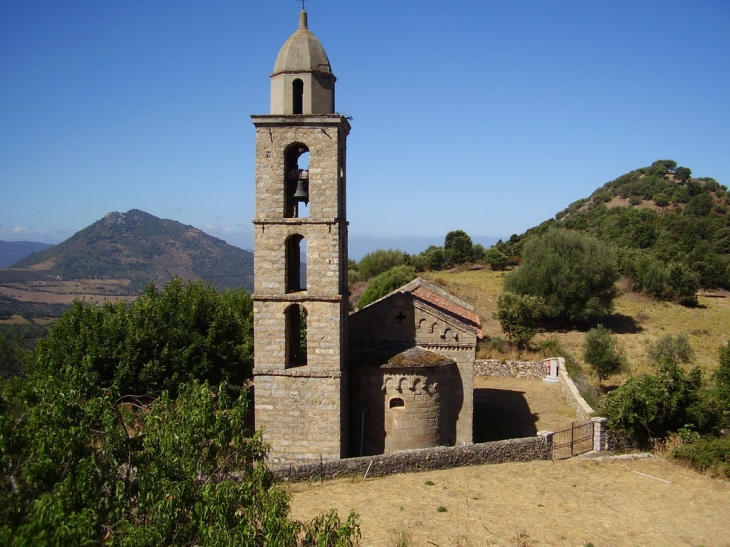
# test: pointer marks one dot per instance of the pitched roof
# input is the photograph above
(438, 298)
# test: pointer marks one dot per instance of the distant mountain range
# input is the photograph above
(143, 248)
(12, 251)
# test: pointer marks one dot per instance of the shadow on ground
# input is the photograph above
(502, 414)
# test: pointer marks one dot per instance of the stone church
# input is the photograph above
(395, 375)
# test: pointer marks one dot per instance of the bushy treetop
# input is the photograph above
(573, 273)
(164, 338)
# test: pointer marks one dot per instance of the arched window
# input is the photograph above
(396, 402)
(296, 336)
(296, 263)
(296, 181)
(297, 96)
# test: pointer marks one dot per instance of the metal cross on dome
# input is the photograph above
(302, 1)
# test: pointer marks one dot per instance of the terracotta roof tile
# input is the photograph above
(448, 306)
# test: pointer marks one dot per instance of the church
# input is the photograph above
(395, 375)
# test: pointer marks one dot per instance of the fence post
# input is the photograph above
(600, 440)
(548, 436)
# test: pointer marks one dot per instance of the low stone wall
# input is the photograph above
(426, 459)
(583, 411)
(514, 369)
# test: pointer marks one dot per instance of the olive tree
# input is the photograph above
(575, 274)
(603, 352)
(519, 316)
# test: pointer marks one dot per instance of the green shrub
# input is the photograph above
(386, 283)
(519, 316)
(380, 261)
(574, 274)
(603, 352)
(708, 453)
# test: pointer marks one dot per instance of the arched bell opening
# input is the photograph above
(296, 181)
(296, 263)
(296, 335)
(297, 96)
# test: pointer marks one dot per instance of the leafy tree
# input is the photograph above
(380, 261)
(81, 467)
(185, 331)
(519, 316)
(699, 205)
(671, 350)
(603, 352)
(386, 283)
(12, 357)
(668, 165)
(435, 259)
(479, 253)
(574, 274)
(458, 247)
(684, 283)
(651, 406)
(496, 259)
(682, 174)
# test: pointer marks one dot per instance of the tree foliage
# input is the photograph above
(496, 259)
(603, 352)
(573, 273)
(81, 467)
(519, 316)
(458, 247)
(184, 331)
(688, 227)
(380, 261)
(115, 435)
(671, 350)
(653, 406)
(386, 283)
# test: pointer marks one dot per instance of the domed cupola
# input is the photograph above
(302, 81)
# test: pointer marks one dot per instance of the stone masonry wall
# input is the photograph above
(514, 369)
(301, 416)
(304, 410)
(426, 459)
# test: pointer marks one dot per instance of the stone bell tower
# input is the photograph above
(300, 259)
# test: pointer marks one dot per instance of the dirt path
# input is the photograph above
(567, 503)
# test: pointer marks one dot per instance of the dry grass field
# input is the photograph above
(65, 292)
(642, 502)
(637, 320)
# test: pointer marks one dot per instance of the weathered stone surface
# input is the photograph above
(512, 450)
(303, 410)
(514, 369)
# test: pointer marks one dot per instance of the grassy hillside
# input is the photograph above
(638, 319)
(657, 219)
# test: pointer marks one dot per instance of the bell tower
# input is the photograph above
(300, 259)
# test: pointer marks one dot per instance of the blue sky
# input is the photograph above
(488, 117)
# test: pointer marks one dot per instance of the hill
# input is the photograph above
(140, 248)
(666, 227)
(12, 251)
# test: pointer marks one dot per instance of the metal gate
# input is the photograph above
(578, 439)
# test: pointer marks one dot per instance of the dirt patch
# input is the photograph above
(509, 408)
(570, 502)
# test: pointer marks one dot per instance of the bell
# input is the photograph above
(301, 193)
